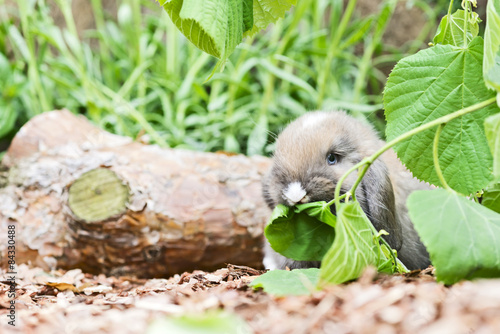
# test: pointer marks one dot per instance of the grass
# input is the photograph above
(138, 75)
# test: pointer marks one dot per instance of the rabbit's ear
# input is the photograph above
(378, 203)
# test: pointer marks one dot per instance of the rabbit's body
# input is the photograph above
(311, 155)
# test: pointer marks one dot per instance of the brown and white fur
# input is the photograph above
(301, 173)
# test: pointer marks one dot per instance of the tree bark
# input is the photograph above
(80, 197)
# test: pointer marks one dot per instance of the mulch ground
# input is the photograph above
(75, 302)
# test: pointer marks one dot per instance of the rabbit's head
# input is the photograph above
(313, 153)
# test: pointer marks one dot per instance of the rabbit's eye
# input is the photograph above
(331, 159)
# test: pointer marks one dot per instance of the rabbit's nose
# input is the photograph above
(294, 193)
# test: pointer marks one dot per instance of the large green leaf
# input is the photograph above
(268, 11)
(214, 26)
(284, 282)
(298, 234)
(462, 237)
(353, 249)
(218, 26)
(451, 29)
(492, 129)
(491, 64)
(430, 84)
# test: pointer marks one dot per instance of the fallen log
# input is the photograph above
(79, 197)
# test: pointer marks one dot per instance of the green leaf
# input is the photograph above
(492, 130)
(388, 265)
(285, 283)
(247, 15)
(289, 77)
(491, 64)
(218, 26)
(360, 32)
(296, 235)
(19, 42)
(462, 237)
(386, 11)
(7, 119)
(212, 322)
(266, 12)
(258, 137)
(451, 29)
(491, 197)
(353, 249)
(231, 143)
(430, 84)
(280, 211)
(214, 26)
(319, 210)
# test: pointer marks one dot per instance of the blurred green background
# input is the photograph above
(125, 66)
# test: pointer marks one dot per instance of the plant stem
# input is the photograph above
(269, 85)
(380, 26)
(450, 7)
(172, 46)
(65, 7)
(466, 21)
(436, 157)
(425, 31)
(394, 258)
(33, 70)
(333, 200)
(100, 24)
(332, 49)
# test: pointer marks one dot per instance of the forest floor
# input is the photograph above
(75, 302)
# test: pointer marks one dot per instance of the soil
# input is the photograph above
(75, 302)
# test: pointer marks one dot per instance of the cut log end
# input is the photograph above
(98, 195)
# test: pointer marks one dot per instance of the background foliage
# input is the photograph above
(136, 74)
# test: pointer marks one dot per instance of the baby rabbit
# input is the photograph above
(311, 155)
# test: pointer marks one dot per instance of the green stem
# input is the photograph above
(233, 87)
(33, 72)
(332, 49)
(142, 84)
(137, 115)
(394, 258)
(466, 21)
(3, 14)
(100, 24)
(269, 86)
(333, 200)
(450, 7)
(65, 7)
(172, 46)
(431, 17)
(369, 160)
(366, 60)
(476, 198)
(436, 157)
